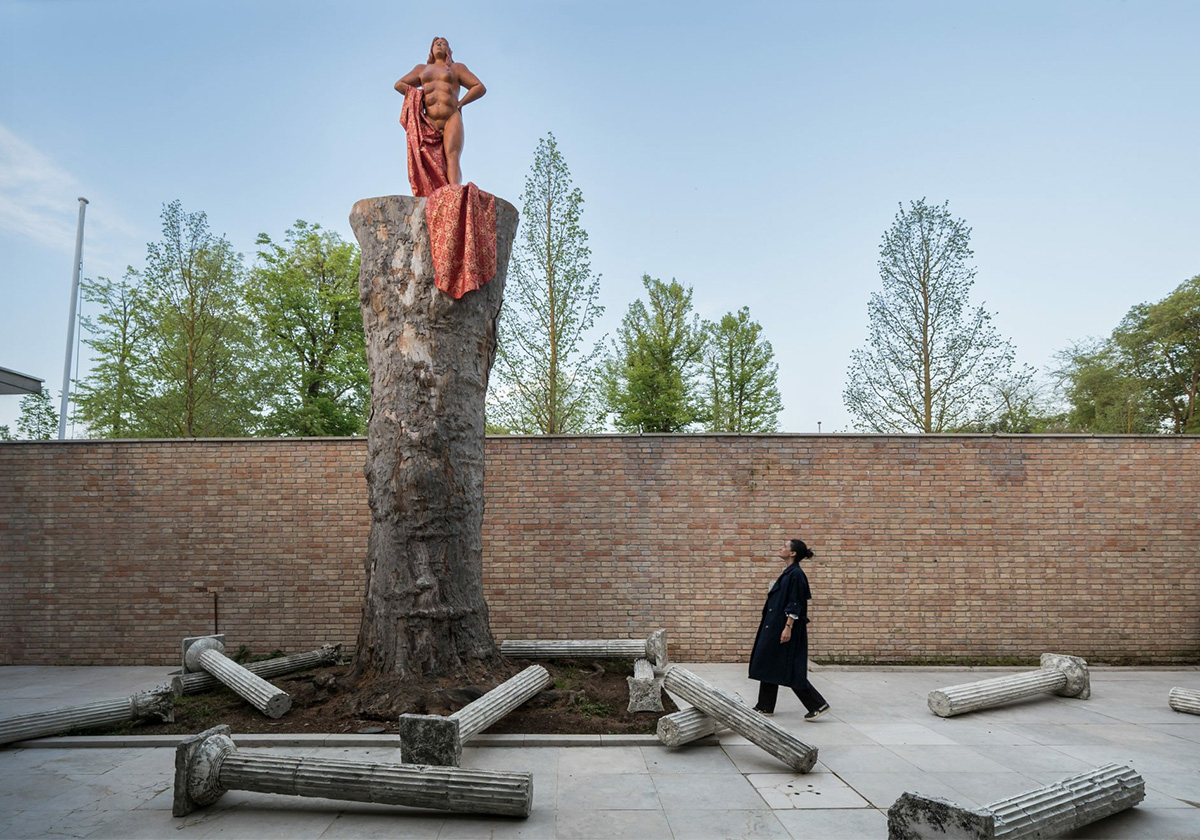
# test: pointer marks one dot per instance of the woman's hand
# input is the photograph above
(787, 634)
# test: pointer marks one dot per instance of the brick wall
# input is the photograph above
(927, 546)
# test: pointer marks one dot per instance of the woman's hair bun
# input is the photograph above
(803, 552)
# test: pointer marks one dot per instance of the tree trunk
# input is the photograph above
(429, 357)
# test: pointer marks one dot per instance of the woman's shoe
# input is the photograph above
(816, 713)
(764, 713)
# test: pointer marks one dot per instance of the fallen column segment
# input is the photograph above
(207, 653)
(645, 689)
(653, 648)
(1184, 700)
(685, 726)
(434, 739)
(746, 722)
(157, 702)
(208, 764)
(1048, 811)
(1059, 674)
(203, 681)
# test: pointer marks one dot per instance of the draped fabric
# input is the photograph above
(462, 231)
(426, 155)
(461, 218)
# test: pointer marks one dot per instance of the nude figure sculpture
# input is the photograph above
(431, 97)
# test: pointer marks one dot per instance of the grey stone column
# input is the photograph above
(433, 739)
(1048, 811)
(685, 726)
(208, 764)
(1059, 674)
(207, 653)
(645, 688)
(158, 702)
(1184, 700)
(203, 681)
(758, 730)
(653, 648)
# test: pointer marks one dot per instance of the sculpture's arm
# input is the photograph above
(470, 81)
(412, 80)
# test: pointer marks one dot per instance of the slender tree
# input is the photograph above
(109, 400)
(544, 380)
(38, 419)
(651, 378)
(742, 389)
(304, 295)
(927, 357)
(199, 364)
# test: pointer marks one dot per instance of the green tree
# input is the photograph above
(5, 432)
(1144, 378)
(1159, 344)
(651, 378)
(109, 401)
(545, 376)
(928, 358)
(1102, 396)
(742, 392)
(304, 295)
(38, 419)
(199, 369)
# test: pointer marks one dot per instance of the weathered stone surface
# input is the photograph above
(653, 648)
(684, 726)
(1184, 700)
(208, 764)
(1048, 811)
(1059, 674)
(157, 702)
(645, 689)
(203, 681)
(429, 357)
(433, 739)
(758, 730)
(207, 653)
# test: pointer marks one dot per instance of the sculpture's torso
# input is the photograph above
(441, 85)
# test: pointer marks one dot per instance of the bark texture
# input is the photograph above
(429, 358)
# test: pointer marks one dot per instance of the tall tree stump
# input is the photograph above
(429, 358)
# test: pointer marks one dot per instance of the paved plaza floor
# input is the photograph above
(878, 741)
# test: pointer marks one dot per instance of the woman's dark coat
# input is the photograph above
(770, 661)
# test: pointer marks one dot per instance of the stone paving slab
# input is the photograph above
(878, 741)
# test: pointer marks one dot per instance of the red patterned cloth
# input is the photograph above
(462, 232)
(426, 155)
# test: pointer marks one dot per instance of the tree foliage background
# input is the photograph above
(930, 361)
(651, 381)
(742, 394)
(545, 377)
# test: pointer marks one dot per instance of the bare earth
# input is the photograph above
(586, 697)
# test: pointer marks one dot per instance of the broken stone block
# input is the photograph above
(207, 653)
(203, 681)
(645, 689)
(209, 764)
(434, 739)
(653, 648)
(1184, 700)
(1048, 811)
(157, 702)
(1059, 674)
(685, 726)
(758, 730)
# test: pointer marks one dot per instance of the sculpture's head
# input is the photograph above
(440, 48)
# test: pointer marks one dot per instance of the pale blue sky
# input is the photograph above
(755, 152)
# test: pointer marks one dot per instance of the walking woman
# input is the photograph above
(780, 655)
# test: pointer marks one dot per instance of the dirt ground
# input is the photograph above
(586, 697)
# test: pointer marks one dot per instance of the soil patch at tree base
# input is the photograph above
(586, 697)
